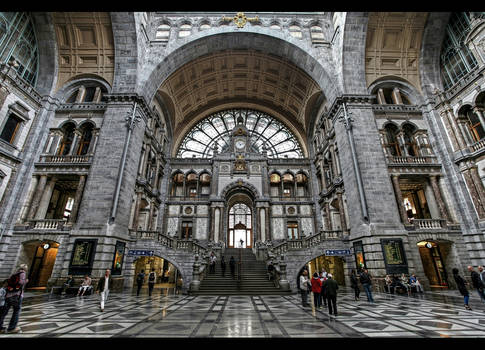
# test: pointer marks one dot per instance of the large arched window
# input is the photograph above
(263, 129)
(18, 42)
(456, 58)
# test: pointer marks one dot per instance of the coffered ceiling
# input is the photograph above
(393, 45)
(85, 45)
(239, 76)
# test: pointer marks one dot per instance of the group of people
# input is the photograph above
(152, 278)
(12, 294)
(407, 284)
(323, 288)
(477, 281)
(213, 261)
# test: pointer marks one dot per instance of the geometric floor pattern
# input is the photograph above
(183, 316)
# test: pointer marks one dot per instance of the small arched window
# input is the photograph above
(474, 125)
(86, 137)
(204, 26)
(409, 141)
(392, 142)
(185, 30)
(295, 31)
(67, 139)
(163, 32)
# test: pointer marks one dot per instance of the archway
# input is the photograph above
(42, 256)
(433, 256)
(166, 273)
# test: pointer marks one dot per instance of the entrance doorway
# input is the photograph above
(331, 264)
(43, 256)
(240, 221)
(166, 273)
(433, 256)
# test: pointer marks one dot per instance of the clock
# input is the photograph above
(240, 144)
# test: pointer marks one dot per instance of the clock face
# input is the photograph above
(240, 144)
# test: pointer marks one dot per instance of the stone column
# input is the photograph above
(380, 97)
(328, 218)
(37, 196)
(46, 196)
(439, 198)
(343, 223)
(450, 131)
(262, 224)
(463, 128)
(397, 191)
(478, 183)
(137, 210)
(479, 114)
(264, 171)
(396, 96)
(94, 141)
(77, 198)
(30, 196)
(455, 128)
(74, 143)
(479, 205)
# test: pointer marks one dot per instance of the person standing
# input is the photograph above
(232, 266)
(461, 284)
(323, 295)
(482, 274)
(105, 283)
(366, 280)
(316, 290)
(13, 298)
(223, 266)
(152, 277)
(179, 285)
(354, 284)
(140, 278)
(331, 287)
(477, 283)
(304, 284)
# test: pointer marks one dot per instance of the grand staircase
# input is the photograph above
(253, 281)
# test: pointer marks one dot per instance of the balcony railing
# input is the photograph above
(306, 242)
(412, 160)
(47, 224)
(478, 145)
(429, 224)
(169, 242)
(65, 159)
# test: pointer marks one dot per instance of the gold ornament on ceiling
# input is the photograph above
(240, 19)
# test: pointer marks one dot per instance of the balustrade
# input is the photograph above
(429, 224)
(48, 224)
(65, 159)
(412, 160)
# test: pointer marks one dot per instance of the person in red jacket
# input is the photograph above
(316, 290)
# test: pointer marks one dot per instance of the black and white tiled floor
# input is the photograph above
(183, 316)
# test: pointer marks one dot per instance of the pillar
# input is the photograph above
(262, 226)
(37, 196)
(328, 219)
(30, 196)
(137, 211)
(455, 128)
(479, 205)
(479, 114)
(397, 191)
(77, 198)
(439, 198)
(46, 196)
(343, 223)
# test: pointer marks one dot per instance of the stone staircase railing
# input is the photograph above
(305, 242)
(170, 242)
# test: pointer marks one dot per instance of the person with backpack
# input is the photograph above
(13, 298)
(140, 278)
(152, 277)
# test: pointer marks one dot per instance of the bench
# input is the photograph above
(71, 290)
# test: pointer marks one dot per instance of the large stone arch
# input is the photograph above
(47, 48)
(227, 38)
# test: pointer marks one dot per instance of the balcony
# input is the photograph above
(408, 160)
(432, 224)
(72, 159)
(45, 226)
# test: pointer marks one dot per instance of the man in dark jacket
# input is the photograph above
(366, 281)
(477, 282)
(105, 283)
(140, 278)
(331, 287)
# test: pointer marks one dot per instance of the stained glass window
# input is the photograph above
(264, 130)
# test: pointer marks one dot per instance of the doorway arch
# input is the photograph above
(41, 256)
(434, 254)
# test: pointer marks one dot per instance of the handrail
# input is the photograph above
(170, 242)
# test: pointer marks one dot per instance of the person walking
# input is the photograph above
(105, 283)
(366, 280)
(212, 263)
(152, 277)
(223, 266)
(331, 287)
(140, 278)
(232, 266)
(304, 284)
(461, 284)
(13, 298)
(477, 283)
(354, 284)
(316, 290)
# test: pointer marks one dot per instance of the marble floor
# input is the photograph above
(428, 315)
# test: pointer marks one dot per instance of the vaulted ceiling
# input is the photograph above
(244, 77)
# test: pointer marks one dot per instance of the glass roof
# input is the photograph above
(263, 130)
